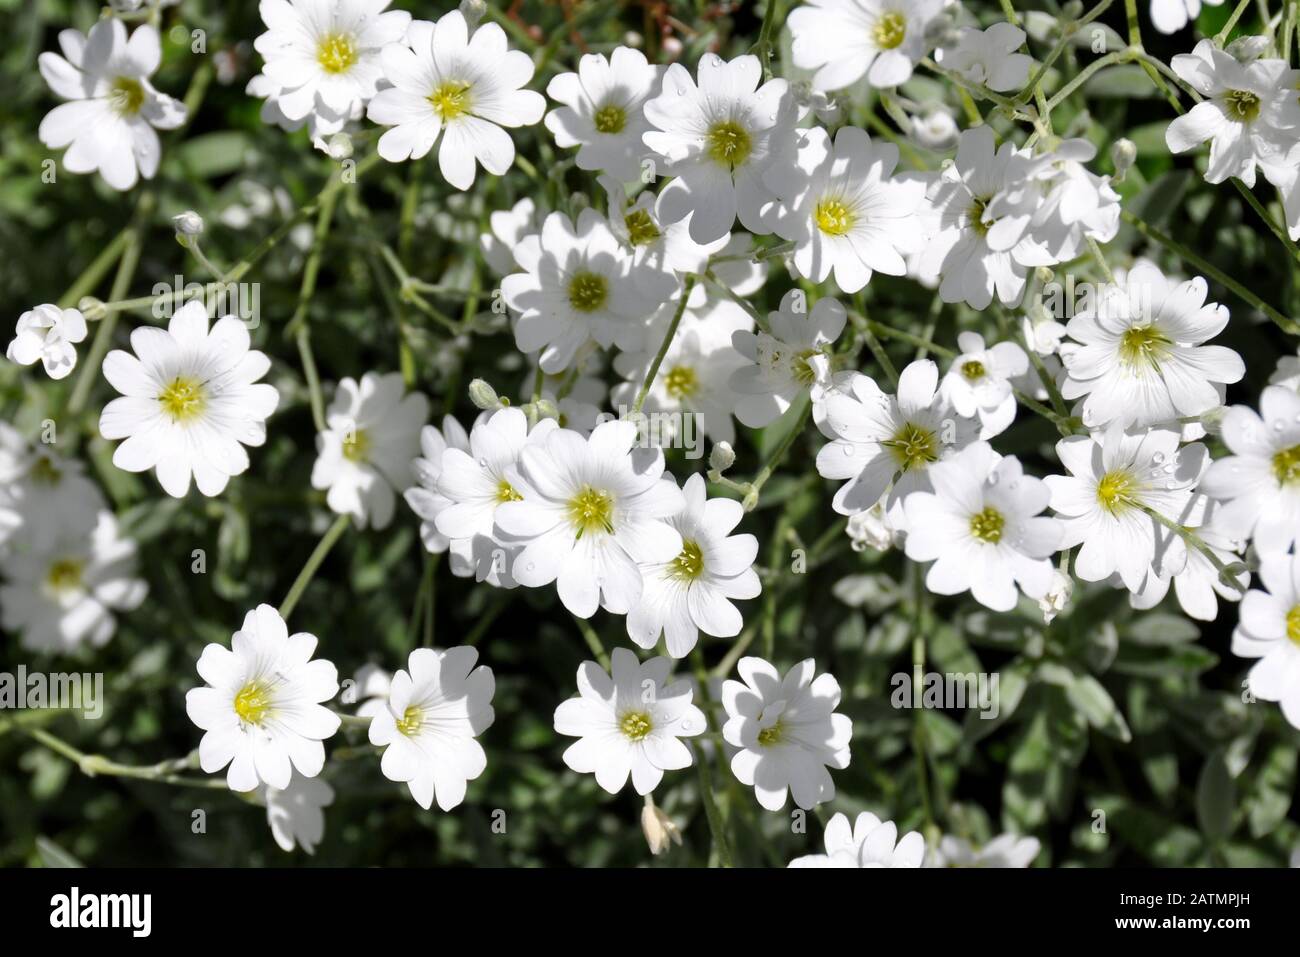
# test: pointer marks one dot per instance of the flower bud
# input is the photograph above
(660, 831)
(339, 146)
(189, 226)
(91, 309)
(1123, 154)
(721, 457)
(1247, 49)
(472, 11)
(935, 130)
(1057, 597)
(484, 396)
(870, 529)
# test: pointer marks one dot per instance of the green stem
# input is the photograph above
(94, 765)
(665, 345)
(93, 274)
(593, 641)
(717, 827)
(777, 456)
(1222, 35)
(313, 563)
(1195, 541)
(298, 327)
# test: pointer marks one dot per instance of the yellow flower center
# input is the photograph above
(591, 510)
(976, 216)
(635, 725)
(987, 525)
(641, 229)
(773, 735)
(1241, 105)
(450, 100)
(1293, 624)
(1143, 345)
(973, 370)
(506, 492)
(681, 382)
(890, 31)
(689, 564)
(356, 445)
(610, 119)
(336, 53)
(183, 399)
(411, 721)
(588, 291)
(801, 367)
(728, 143)
(1117, 490)
(1286, 465)
(64, 575)
(126, 96)
(253, 702)
(833, 217)
(44, 470)
(913, 447)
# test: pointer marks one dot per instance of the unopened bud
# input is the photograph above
(472, 11)
(1123, 154)
(91, 309)
(339, 146)
(721, 457)
(1247, 49)
(189, 226)
(1057, 597)
(484, 396)
(660, 831)
(1072, 10)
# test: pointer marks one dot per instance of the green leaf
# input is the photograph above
(54, 856)
(1215, 798)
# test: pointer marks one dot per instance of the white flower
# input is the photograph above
(1078, 205)
(979, 382)
(718, 138)
(656, 246)
(190, 401)
(592, 510)
(844, 209)
(870, 529)
(794, 357)
(1005, 850)
(49, 334)
(43, 494)
(981, 528)
(63, 597)
(935, 129)
(629, 721)
(1270, 631)
(693, 592)
(577, 288)
(693, 380)
(787, 732)
(508, 228)
(475, 481)
(1250, 114)
(1199, 582)
(1260, 481)
(370, 687)
(989, 57)
(364, 455)
(1170, 16)
(261, 709)
(296, 814)
(879, 438)
(603, 112)
(423, 497)
(1137, 355)
(661, 832)
(866, 843)
(322, 60)
(435, 711)
(1114, 477)
(462, 86)
(1058, 596)
(109, 123)
(844, 40)
(1287, 373)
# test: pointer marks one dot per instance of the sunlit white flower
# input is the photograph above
(1270, 631)
(989, 57)
(108, 124)
(190, 401)
(844, 40)
(979, 382)
(787, 732)
(982, 529)
(1005, 850)
(1287, 373)
(693, 592)
(629, 722)
(1250, 114)
(1199, 582)
(844, 209)
(423, 497)
(49, 335)
(62, 597)
(656, 246)
(435, 711)
(508, 227)
(1137, 356)
(591, 511)
(1077, 204)
(718, 138)
(603, 111)
(879, 438)
(296, 814)
(322, 60)
(1260, 481)
(1115, 476)
(870, 528)
(462, 86)
(867, 842)
(577, 288)
(363, 458)
(261, 707)
(1170, 16)
(793, 358)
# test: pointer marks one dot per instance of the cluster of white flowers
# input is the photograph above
(693, 165)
